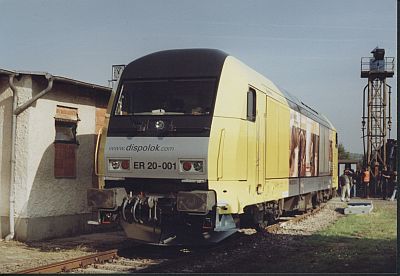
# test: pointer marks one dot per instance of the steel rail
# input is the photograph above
(80, 262)
(274, 227)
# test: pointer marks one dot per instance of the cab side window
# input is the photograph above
(251, 105)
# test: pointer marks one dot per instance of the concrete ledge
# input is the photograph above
(41, 228)
(4, 227)
(359, 208)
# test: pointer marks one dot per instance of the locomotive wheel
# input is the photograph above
(317, 199)
(260, 219)
(272, 216)
(261, 226)
(263, 214)
(274, 211)
(254, 218)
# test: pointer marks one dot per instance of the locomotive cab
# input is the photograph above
(154, 152)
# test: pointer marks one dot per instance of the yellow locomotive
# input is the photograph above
(196, 143)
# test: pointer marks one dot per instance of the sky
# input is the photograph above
(311, 48)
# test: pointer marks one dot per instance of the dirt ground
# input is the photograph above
(16, 256)
(247, 252)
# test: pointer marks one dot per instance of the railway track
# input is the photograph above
(68, 265)
(274, 227)
(141, 258)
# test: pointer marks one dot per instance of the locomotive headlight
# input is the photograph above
(115, 165)
(119, 165)
(198, 166)
(160, 125)
(196, 201)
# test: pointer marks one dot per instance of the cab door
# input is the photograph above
(256, 112)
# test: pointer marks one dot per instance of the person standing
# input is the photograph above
(385, 176)
(357, 181)
(365, 180)
(350, 174)
(394, 185)
(345, 183)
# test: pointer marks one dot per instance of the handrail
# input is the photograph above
(96, 155)
(388, 64)
(220, 154)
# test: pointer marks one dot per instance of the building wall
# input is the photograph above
(21, 191)
(50, 196)
(47, 206)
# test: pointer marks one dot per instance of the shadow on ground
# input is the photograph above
(283, 253)
(90, 243)
(273, 253)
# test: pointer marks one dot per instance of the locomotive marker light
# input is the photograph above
(186, 165)
(119, 165)
(191, 166)
(125, 164)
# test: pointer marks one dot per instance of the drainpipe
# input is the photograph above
(15, 112)
(13, 132)
(24, 106)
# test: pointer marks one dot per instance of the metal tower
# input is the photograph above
(116, 73)
(376, 100)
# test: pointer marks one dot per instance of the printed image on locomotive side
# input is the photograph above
(304, 147)
(197, 144)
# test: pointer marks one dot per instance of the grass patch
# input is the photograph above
(355, 243)
(380, 224)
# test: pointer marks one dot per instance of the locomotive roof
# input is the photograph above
(305, 109)
(185, 63)
(200, 62)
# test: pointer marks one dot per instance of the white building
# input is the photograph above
(52, 149)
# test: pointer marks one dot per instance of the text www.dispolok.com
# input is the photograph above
(140, 148)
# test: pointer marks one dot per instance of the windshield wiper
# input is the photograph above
(191, 129)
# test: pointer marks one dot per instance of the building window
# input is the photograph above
(65, 142)
(65, 132)
(251, 105)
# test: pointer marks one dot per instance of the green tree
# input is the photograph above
(343, 154)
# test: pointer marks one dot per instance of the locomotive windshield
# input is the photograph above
(167, 97)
